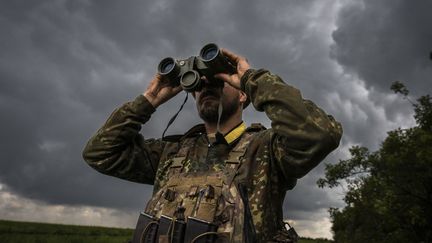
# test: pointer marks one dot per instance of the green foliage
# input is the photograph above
(388, 192)
(23, 232)
(423, 112)
(399, 87)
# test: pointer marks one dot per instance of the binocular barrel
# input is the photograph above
(169, 68)
(212, 56)
(188, 73)
(190, 81)
(209, 52)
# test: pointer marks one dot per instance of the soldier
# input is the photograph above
(233, 185)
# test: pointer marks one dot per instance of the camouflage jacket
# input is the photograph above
(300, 137)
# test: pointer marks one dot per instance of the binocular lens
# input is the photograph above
(190, 81)
(166, 65)
(209, 52)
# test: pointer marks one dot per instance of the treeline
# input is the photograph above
(388, 192)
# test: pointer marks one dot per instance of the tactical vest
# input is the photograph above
(199, 206)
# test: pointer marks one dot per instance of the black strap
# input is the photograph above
(248, 228)
(175, 115)
(219, 136)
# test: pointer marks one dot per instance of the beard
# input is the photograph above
(208, 109)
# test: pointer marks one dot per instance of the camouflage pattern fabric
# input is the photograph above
(208, 192)
(301, 136)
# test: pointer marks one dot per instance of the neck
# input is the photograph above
(226, 126)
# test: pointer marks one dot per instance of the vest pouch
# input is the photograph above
(200, 231)
(169, 202)
(178, 231)
(170, 231)
(164, 225)
(146, 229)
(206, 210)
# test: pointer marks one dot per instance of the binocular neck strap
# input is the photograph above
(175, 116)
(220, 110)
(219, 136)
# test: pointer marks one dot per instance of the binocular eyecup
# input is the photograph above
(190, 81)
(209, 52)
(169, 68)
(188, 72)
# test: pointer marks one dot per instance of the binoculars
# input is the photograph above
(188, 72)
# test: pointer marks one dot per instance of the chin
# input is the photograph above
(208, 112)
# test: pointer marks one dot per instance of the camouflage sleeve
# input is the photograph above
(302, 134)
(118, 149)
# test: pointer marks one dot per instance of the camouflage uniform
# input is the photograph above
(301, 135)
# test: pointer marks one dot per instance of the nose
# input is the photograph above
(212, 82)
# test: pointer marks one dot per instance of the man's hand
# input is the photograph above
(241, 64)
(160, 90)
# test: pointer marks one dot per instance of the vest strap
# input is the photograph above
(233, 162)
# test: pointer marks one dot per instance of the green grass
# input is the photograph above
(26, 232)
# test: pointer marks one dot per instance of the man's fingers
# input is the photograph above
(154, 83)
(227, 78)
(223, 76)
(233, 57)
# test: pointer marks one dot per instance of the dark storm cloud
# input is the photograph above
(66, 65)
(54, 91)
(385, 41)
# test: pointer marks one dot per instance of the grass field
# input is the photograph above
(25, 232)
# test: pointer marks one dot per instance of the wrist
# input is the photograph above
(141, 106)
(151, 99)
(244, 78)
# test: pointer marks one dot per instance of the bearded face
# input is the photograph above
(207, 101)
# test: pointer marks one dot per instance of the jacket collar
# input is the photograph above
(229, 137)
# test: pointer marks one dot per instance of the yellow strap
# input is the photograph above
(236, 133)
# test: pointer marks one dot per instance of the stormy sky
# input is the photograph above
(65, 65)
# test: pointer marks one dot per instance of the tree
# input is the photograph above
(388, 192)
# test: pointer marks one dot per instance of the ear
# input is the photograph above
(242, 97)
